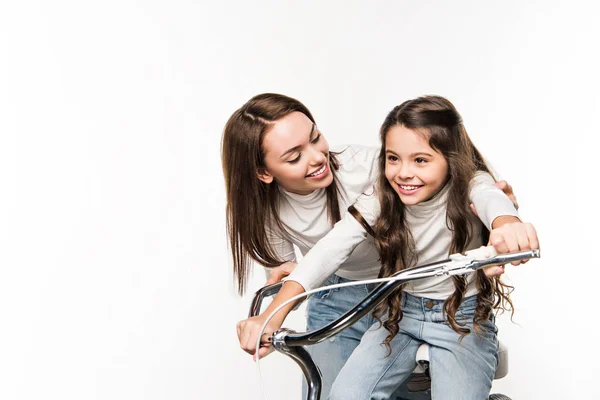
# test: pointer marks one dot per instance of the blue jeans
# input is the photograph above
(331, 355)
(461, 371)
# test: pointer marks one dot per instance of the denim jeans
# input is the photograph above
(461, 371)
(331, 355)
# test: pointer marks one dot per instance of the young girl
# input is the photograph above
(427, 161)
(285, 188)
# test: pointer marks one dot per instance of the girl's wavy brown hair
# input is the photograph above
(437, 120)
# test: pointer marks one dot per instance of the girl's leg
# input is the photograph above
(372, 372)
(465, 370)
(323, 308)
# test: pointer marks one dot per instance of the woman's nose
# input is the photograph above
(316, 156)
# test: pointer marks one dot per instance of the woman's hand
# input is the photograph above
(509, 238)
(278, 273)
(508, 191)
(247, 331)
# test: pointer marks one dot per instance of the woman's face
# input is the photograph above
(296, 155)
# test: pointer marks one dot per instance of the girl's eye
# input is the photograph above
(295, 160)
(420, 160)
(315, 140)
(392, 158)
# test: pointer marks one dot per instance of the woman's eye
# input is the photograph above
(392, 158)
(420, 160)
(315, 140)
(295, 160)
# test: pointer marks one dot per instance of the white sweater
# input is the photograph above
(346, 249)
(305, 216)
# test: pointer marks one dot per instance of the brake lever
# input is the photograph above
(460, 264)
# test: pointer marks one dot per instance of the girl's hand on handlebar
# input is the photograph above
(510, 238)
(247, 331)
(278, 273)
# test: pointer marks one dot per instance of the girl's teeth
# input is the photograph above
(408, 187)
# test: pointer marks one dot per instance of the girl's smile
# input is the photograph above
(409, 189)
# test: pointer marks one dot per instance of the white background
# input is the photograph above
(115, 280)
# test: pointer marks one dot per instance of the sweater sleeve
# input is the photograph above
(336, 247)
(283, 248)
(489, 201)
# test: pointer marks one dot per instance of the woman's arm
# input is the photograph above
(315, 267)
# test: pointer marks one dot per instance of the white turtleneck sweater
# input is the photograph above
(346, 249)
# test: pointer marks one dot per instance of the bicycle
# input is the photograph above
(292, 343)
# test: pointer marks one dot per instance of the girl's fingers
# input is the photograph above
(494, 270)
(532, 235)
(523, 239)
(499, 243)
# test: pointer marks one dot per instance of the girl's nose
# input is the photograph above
(405, 172)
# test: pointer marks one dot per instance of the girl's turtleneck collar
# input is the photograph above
(434, 203)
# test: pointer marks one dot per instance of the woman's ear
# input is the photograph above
(264, 176)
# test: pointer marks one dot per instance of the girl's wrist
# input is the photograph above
(503, 220)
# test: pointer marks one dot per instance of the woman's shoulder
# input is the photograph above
(357, 168)
(355, 154)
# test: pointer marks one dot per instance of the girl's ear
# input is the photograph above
(264, 176)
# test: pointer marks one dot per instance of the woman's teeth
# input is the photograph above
(320, 171)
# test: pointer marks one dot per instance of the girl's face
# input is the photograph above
(296, 155)
(415, 170)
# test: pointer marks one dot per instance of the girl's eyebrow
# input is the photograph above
(421, 153)
(296, 148)
(412, 155)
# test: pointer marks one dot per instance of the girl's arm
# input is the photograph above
(492, 205)
(489, 202)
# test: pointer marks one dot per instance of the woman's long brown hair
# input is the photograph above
(439, 121)
(252, 205)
